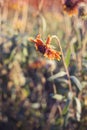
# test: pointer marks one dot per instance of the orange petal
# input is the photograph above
(39, 42)
(38, 36)
(48, 40)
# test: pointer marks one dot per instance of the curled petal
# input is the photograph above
(37, 41)
(38, 36)
(52, 54)
(48, 40)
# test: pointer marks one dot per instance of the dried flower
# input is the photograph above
(83, 11)
(37, 64)
(45, 49)
(71, 6)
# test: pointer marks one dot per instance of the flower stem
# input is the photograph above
(54, 86)
(66, 69)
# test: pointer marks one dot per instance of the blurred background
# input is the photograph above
(34, 91)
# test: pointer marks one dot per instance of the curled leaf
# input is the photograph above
(58, 75)
(76, 82)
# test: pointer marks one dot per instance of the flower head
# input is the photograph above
(45, 49)
(71, 6)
